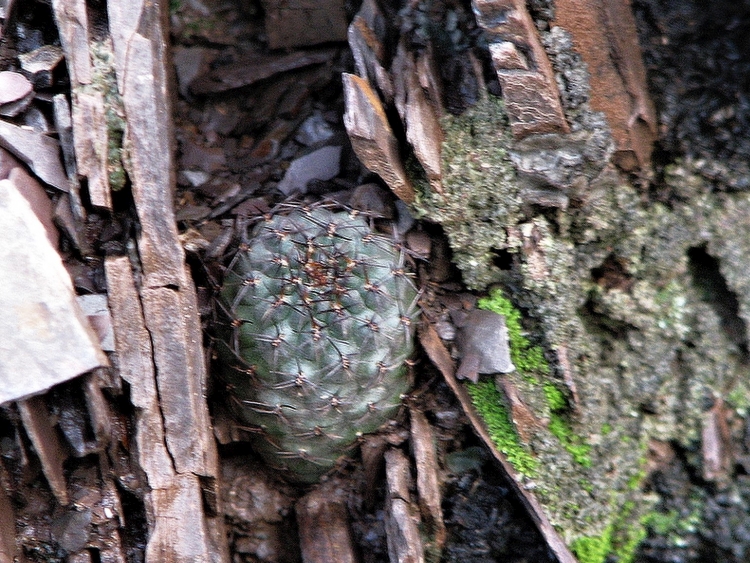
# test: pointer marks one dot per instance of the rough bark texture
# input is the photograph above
(640, 306)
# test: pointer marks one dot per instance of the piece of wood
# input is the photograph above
(423, 130)
(136, 366)
(372, 138)
(72, 22)
(428, 481)
(368, 49)
(181, 532)
(181, 381)
(604, 33)
(8, 550)
(323, 523)
(402, 517)
(522, 66)
(182, 527)
(47, 443)
(175, 501)
(91, 143)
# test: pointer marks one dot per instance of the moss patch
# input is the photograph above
(489, 403)
(620, 539)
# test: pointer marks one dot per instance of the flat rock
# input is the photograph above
(322, 164)
(37, 151)
(40, 63)
(482, 341)
(45, 338)
(16, 93)
(13, 87)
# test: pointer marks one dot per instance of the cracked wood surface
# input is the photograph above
(154, 314)
(523, 68)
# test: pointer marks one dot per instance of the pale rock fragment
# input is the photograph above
(37, 151)
(45, 338)
(16, 93)
(482, 340)
(322, 164)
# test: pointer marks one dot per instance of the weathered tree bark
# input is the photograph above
(640, 306)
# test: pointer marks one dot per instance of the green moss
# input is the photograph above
(606, 428)
(573, 444)
(530, 362)
(619, 539)
(593, 549)
(104, 82)
(527, 358)
(662, 523)
(555, 398)
(480, 194)
(489, 403)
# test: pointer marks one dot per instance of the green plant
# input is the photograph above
(489, 403)
(321, 320)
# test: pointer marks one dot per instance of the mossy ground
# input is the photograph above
(640, 343)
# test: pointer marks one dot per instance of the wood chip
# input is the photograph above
(182, 534)
(8, 551)
(72, 22)
(402, 517)
(524, 420)
(423, 131)
(150, 171)
(37, 422)
(90, 136)
(368, 49)
(522, 66)
(428, 482)
(176, 500)
(604, 33)
(716, 443)
(180, 379)
(98, 408)
(372, 138)
(39, 152)
(135, 363)
(323, 524)
(45, 337)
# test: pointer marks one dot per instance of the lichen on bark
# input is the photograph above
(640, 307)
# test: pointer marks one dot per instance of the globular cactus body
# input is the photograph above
(321, 327)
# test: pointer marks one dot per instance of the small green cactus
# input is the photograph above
(322, 321)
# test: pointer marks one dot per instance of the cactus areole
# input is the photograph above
(322, 314)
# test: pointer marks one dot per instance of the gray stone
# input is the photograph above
(45, 338)
(322, 164)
